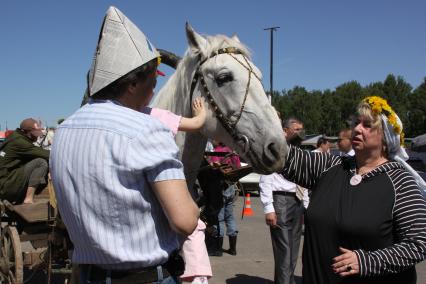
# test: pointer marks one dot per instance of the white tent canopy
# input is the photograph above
(312, 141)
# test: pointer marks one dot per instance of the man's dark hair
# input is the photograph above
(118, 87)
(346, 129)
(321, 141)
(286, 123)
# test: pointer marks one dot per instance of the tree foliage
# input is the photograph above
(328, 111)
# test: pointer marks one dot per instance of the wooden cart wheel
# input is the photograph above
(11, 256)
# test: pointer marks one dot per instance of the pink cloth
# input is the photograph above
(194, 249)
(194, 252)
(233, 160)
(170, 119)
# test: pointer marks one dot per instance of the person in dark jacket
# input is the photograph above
(23, 166)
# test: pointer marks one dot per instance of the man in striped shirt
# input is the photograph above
(120, 188)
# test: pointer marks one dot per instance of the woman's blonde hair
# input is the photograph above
(364, 109)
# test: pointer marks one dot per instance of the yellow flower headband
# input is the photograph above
(380, 106)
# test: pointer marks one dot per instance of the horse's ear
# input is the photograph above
(235, 37)
(196, 42)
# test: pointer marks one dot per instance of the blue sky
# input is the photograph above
(46, 46)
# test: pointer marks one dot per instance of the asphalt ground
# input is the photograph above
(254, 262)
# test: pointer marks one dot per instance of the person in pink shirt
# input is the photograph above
(232, 159)
(179, 123)
(226, 213)
(197, 264)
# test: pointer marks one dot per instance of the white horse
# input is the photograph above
(218, 68)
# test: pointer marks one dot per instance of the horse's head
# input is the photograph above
(239, 112)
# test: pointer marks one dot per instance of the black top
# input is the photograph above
(383, 219)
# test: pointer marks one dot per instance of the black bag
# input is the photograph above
(175, 265)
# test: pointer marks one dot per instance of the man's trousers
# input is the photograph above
(286, 236)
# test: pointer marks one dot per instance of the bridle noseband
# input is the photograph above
(226, 122)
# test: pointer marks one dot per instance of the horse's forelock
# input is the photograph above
(215, 43)
(221, 41)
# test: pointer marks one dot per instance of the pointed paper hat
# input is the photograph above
(122, 47)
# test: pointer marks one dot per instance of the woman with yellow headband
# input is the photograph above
(366, 222)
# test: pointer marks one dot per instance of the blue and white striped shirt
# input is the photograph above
(103, 158)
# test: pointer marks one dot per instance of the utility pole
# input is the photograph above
(271, 29)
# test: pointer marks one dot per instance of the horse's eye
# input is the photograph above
(221, 79)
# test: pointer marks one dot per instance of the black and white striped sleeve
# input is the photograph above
(305, 167)
(409, 221)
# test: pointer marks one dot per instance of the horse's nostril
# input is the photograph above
(272, 153)
(273, 149)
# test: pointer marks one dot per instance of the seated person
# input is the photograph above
(23, 166)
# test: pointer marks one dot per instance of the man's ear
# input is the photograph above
(285, 130)
(132, 87)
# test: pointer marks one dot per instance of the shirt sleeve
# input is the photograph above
(305, 167)
(266, 186)
(409, 219)
(154, 153)
(170, 119)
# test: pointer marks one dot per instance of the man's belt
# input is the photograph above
(285, 193)
(144, 275)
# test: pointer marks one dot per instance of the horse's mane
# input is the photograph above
(178, 85)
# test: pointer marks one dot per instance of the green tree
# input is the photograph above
(397, 93)
(374, 89)
(347, 96)
(417, 111)
(328, 111)
(331, 111)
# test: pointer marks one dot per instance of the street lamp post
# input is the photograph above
(271, 29)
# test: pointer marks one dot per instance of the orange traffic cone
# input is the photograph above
(247, 211)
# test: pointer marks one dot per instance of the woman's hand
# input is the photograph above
(346, 264)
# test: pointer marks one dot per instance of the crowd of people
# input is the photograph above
(122, 194)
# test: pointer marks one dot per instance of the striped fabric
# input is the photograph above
(409, 216)
(102, 161)
(305, 168)
(409, 212)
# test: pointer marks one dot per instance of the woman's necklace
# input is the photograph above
(357, 178)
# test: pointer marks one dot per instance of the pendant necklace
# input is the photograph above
(357, 177)
(355, 180)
